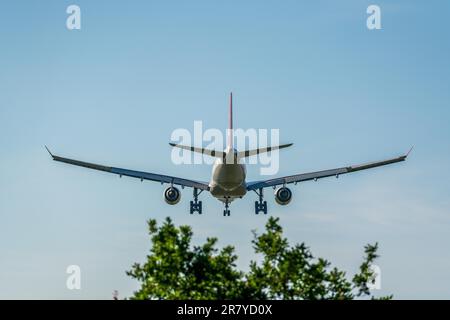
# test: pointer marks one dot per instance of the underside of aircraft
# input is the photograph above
(228, 181)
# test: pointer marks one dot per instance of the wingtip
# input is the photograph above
(407, 154)
(49, 152)
(287, 145)
(172, 144)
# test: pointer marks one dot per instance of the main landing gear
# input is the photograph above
(226, 212)
(260, 206)
(196, 206)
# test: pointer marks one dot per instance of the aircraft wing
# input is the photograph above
(134, 174)
(321, 174)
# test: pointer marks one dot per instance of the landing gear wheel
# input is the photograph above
(196, 206)
(226, 212)
(260, 206)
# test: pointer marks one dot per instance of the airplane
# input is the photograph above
(228, 179)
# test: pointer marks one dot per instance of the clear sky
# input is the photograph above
(114, 91)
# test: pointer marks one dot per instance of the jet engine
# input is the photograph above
(172, 195)
(283, 196)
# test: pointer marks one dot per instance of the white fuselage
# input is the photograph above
(228, 177)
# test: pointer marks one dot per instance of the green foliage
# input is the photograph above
(175, 269)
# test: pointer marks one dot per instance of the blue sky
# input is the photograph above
(114, 91)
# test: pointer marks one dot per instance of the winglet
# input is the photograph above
(49, 152)
(407, 154)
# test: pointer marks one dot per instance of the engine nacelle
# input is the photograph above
(172, 195)
(283, 196)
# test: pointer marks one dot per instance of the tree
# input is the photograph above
(175, 269)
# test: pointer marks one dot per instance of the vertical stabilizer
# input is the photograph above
(230, 124)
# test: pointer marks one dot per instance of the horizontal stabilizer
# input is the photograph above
(212, 153)
(254, 152)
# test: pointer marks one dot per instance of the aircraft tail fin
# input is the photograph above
(230, 124)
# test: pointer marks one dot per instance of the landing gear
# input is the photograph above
(226, 212)
(260, 206)
(196, 206)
